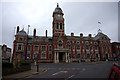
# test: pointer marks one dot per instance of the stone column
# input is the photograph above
(66, 57)
(55, 57)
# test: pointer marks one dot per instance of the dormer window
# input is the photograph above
(43, 40)
(36, 39)
(50, 40)
(29, 39)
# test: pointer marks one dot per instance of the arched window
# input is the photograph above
(57, 25)
(60, 25)
(60, 41)
(60, 44)
(68, 45)
(68, 42)
(78, 42)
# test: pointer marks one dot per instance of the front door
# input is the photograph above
(61, 56)
(106, 56)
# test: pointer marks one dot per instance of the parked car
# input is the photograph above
(114, 73)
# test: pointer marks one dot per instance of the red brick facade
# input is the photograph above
(116, 50)
(61, 47)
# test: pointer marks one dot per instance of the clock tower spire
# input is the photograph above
(58, 22)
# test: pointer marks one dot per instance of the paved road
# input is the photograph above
(74, 70)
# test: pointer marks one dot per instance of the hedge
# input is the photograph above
(7, 64)
(8, 68)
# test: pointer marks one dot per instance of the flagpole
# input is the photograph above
(99, 30)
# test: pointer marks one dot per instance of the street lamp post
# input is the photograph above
(37, 64)
(36, 60)
(37, 67)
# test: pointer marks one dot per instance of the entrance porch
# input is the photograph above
(61, 56)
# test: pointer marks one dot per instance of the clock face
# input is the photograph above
(59, 17)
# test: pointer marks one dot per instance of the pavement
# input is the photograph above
(24, 74)
(96, 62)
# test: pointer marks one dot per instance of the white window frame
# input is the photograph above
(43, 57)
(37, 46)
(22, 47)
(42, 48)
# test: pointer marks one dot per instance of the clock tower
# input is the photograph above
(58, 22)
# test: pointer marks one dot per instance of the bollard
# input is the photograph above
(37, 67)
(35, 62)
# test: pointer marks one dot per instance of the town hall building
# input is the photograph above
(61, 47)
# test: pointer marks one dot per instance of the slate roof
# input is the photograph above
(100, 35)
(58, 10)
(22, 33)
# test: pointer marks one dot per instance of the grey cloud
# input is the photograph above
(79, 17)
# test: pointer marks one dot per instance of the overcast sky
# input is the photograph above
(80, 17)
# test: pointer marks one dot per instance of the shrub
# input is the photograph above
(8, 68)
(23, 62)
(7, 64)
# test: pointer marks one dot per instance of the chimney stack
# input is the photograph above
(72, 34)
(34, 32)
(46, 33)
(90, 35)
(17, 29)
(81, 35)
